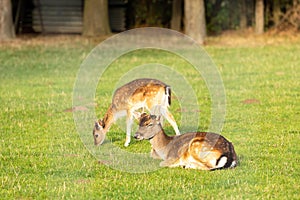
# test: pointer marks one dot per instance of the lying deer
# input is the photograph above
(198, 150)
(150, 94)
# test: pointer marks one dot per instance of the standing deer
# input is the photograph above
(150, 94)
(197, 150)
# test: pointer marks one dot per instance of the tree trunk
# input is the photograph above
(195, 24)
(243, 14)
(276, 12)
(176, 15)
(259, 16)
(95, 18)
(6, 21)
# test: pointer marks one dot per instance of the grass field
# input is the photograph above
(42, 156)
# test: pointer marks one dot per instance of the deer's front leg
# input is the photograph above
(154, 154)
(171, 162)
(129, 122)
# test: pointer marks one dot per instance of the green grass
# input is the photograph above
(42, 156)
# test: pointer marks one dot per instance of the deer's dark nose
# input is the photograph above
(137, 136)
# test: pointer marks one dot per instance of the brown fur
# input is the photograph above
(137, 94)
(198, 150)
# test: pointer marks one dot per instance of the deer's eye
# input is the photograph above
(150, 124)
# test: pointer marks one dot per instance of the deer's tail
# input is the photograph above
(227, 161)
(168, 94)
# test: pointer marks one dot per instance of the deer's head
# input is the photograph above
(98, 132)
(149, 126)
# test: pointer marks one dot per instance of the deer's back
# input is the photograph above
(137, 91)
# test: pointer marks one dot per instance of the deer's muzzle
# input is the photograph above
(138, 136)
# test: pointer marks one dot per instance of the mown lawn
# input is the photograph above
(42, 155)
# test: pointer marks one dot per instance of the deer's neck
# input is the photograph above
(108, 119)
(160, 142)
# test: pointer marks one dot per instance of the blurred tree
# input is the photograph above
(195, 24)
(243, 14)
(223, 15)
(289, 18)
(149, 13)
(6, 21)
(276, 12)
(259, 16)
(176, 15)
(218, 15)
(95, 18)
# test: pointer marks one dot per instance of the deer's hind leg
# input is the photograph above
(204, 155)
(170, 118)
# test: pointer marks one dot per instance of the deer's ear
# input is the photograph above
(142, 115)
(97, 126)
